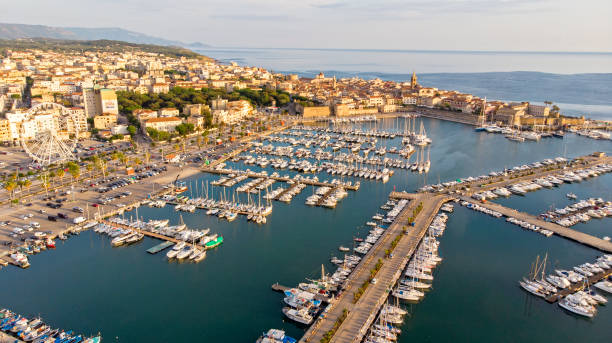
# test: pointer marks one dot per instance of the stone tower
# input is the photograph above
(413, 81)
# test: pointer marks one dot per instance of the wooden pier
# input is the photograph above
(254, 186)
(280, 178)
(144, 232)
(286, 190)
(562, 231)
(200, 207)
(575, 287)
(326, 195)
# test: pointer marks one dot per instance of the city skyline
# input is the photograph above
(511, 25)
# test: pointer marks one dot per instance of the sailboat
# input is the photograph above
(541, 287)
(481, 118)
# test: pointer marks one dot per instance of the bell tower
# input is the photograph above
(413, 81)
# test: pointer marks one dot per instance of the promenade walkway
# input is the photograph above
(363, 313)
(562, 231)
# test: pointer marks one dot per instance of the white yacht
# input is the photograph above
(185, 252)
(577, 305)
(604, 286)
(175, 250)
(300, 316)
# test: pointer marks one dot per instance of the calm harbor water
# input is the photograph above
(131, 296)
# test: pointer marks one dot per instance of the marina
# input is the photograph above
(295, 254)
(35, 330)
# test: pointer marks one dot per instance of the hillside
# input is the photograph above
(16, 31)
(68, 46)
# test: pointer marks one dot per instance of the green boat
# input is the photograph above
(214, 243)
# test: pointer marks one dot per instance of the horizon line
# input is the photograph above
(419, 50)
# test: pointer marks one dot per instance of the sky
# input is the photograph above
(499, 25)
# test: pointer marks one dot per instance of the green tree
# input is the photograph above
(44, 180)
(75, 170)
(132, 130)
(10, 186)
(60, 173)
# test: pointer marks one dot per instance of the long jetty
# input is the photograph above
(562, 231)
(362, 313)
(279, 178)
(503, 181)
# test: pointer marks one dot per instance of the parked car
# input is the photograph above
(61, 215)
(52, 218)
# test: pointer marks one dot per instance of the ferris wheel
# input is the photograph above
(49, 134)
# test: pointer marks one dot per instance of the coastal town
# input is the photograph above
(93, 139)
(86, 85)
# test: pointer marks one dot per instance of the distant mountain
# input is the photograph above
(15, 31)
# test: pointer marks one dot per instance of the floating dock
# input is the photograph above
(286, 190)
(578, 286)
(160, 247)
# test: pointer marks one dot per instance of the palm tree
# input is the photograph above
(123, 158)
(44, 180)
(27, 183)
(101, 164)
(10, 186)
(74, 170)
(60, 174)
(199, 141)
(51, 177)
(89, 167)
